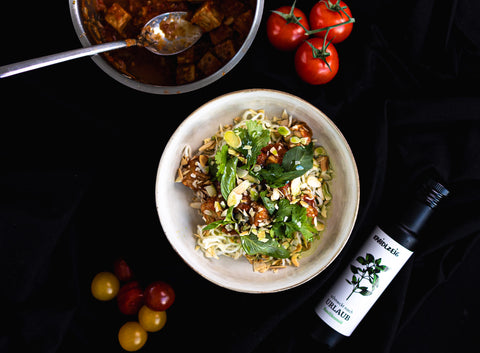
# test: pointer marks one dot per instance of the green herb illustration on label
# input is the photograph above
(369, 272)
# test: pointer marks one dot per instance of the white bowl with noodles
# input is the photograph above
(179, 220)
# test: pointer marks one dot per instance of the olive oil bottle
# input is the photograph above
(372, 269)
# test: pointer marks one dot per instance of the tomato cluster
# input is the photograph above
(316, 58)
(149, 303)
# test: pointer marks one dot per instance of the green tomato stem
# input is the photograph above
(333, 7)
(313, 31)
(290, 17)
(321, 53)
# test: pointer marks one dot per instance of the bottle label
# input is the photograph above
(371, 270)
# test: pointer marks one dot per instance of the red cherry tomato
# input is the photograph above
(314, 70)
(130, 298)
(122, 270)
(328, 13)
(285, 35)
(159, 296)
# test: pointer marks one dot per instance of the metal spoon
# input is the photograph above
(166, 34)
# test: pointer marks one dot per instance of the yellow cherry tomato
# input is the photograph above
(105, 286)
(151, 320)
(132, 336)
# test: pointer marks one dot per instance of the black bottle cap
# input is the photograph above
(432, 193)
(417, 213)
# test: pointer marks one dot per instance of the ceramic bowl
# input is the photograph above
(179, 220)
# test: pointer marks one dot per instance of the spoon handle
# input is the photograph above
(32, 64)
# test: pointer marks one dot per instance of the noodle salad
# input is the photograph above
(261, 186)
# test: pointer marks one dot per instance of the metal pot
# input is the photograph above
(83, 34)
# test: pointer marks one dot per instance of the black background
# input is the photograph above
(79, 154)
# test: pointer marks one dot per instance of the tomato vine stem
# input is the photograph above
(321, 53)
(313, 31)
(331, 6)
(290, 17)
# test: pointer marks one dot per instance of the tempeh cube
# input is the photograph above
(185, 74)
(225, 51)
(117, 17)
(243, 23)
(220, 34)
(232, 7)
(186, 57)
(207, 17)
(209, 63)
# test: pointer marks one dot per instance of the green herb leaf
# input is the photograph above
(213, 168)
(252, 246)
(296, 162)
(222, 222)
(228, 181)
(268, 203)
(291, 218)
(299, 158)
(254, 138)
(221, 160)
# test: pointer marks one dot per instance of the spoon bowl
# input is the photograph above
(166, 34)
(170, 34)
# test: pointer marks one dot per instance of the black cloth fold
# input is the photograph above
(78, 160)
(38, 257)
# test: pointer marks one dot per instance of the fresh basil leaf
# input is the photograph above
(229, 177)
(252, 246)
